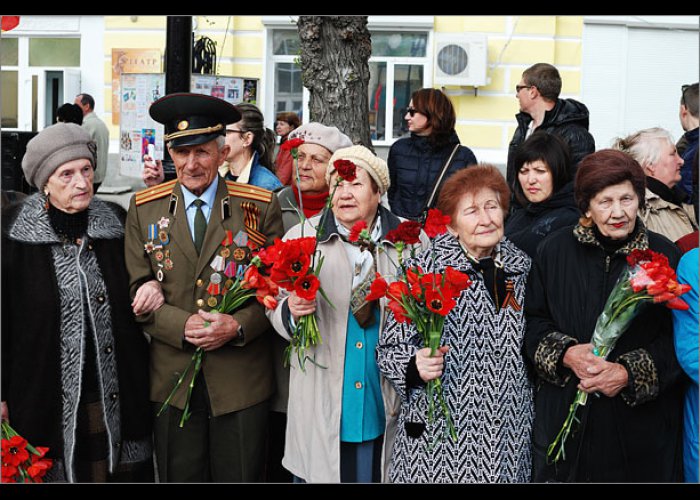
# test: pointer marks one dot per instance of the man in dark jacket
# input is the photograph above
(541, 109)
(690, 120)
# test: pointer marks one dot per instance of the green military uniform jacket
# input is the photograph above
(159, 245)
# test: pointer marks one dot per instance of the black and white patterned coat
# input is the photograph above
(485, 382)
(53, 293)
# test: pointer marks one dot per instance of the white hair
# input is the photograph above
(646, 145)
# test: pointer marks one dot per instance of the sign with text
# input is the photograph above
(130, 61)
(137, 129)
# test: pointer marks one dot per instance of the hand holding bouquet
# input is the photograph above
(244, 287)
(648, 278)
(424, 299)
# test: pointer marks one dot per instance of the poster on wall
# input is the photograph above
(229, 88)
(130, 61)
(137, 129)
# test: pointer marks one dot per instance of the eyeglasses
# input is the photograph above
(236, 131)
(518, 88)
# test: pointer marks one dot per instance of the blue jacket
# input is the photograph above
(691, 149)
(260, 176)
(413, 168)
(685, 335)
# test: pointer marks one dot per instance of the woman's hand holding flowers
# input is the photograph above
(430, 367)
(606, 378)
(299, 306)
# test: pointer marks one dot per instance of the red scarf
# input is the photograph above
(313, 203)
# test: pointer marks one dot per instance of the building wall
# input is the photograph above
(486, 120)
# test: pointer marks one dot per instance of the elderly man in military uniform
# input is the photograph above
(195, 234)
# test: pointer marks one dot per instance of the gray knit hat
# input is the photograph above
(363, 158)
(53, 147)
(315, 133)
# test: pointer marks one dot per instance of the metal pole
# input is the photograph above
(178, 68)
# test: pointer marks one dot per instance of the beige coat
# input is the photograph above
(312, 449)
(666, 218)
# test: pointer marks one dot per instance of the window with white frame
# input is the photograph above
(397, 69)
(399, 65)
(288, 94)
(43, 62)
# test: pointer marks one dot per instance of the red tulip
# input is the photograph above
(307, 286)
(438, 302)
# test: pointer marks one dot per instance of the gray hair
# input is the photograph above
(644, 145)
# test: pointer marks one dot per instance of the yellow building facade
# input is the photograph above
(485, 118)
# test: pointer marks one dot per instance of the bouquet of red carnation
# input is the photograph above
(423, 298)
(648, 278)
(245, 286)
(21, 462)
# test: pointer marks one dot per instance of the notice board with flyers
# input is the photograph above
(139, 90)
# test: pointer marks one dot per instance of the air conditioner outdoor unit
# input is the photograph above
(460, 59)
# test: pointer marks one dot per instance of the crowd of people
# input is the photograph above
(136, 372)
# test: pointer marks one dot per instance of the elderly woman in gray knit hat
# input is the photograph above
(74, 361)
(341, 412)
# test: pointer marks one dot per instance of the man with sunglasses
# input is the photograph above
(688, 144)
(542, 109)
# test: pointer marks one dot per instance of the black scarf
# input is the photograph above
(68, 227)
(662, 190)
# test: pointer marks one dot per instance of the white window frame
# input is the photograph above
(375, 24)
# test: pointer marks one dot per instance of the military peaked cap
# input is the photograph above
(191, 119)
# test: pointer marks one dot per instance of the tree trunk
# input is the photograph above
(334, 67)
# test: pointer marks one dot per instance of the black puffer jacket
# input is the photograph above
(413, 167)
(527, 226)
(636, 435)
(568, 119)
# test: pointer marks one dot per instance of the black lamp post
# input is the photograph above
(178, 68)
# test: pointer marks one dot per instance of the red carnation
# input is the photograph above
(291, 144)
(356, 231)
(407, 232)
(346, 169)
(436, 223)
(377, 289)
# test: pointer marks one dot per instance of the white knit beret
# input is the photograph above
(316, 133)
(363, 158)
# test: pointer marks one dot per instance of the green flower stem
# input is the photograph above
(198, 355)
(558, 444)
(434, 387)
(627, 303)
(232, 300)
(305, 335)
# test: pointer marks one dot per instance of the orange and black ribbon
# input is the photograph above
(509, 299)
(251, 217)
